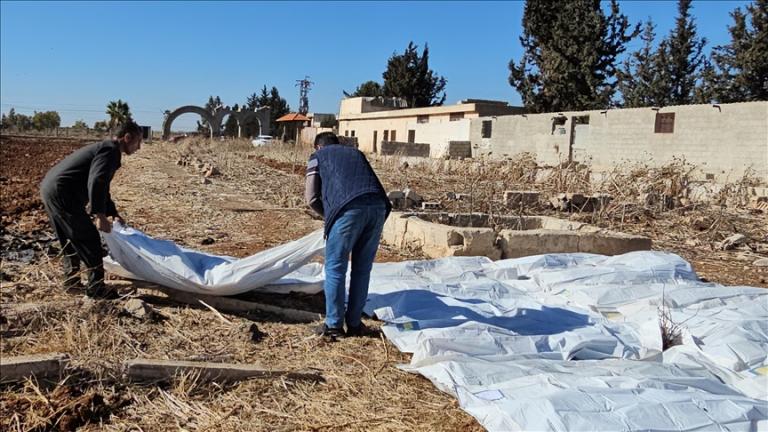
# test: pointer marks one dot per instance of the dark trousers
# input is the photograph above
(80, 241)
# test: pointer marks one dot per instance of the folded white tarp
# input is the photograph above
(549, 342)
(137, 256)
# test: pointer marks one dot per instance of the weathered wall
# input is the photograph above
(512, 135)
(364, 129)
(308, 134)
(723, 141)
(439, 127)
(438, 132)
(404, 149)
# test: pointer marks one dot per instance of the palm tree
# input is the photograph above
(118, 112)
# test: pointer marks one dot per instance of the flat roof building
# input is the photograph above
(376, 120)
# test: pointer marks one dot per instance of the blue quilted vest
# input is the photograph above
(345, 174)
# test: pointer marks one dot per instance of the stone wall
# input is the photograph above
(438, 133)
(399, 148)
(459, 149)
(724, 140)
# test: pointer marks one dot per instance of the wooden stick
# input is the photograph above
(228, 304)
(225, 304)
(153, 370)
(217, 313)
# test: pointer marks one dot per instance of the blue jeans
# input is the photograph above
(356, 231)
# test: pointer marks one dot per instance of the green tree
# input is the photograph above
(570, 51)
(230, 126)
(23, 122)
(214, 104)
(101, 126)
(706, 91)
(250, 127)
(640, 77)
(408, 76)
(118, 112)
(8, 121)
(79, 124)
(262, 99)
(278, 108)
(368, 88)
(683, 58)
(252, 101)
(271, 99)
(20, 122)
(46, 120)
(740, 69)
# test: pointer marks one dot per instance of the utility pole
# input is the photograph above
(304, 86)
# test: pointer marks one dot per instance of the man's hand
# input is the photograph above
(119, 219)
(102, 223)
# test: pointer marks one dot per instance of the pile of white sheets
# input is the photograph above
(549, 342)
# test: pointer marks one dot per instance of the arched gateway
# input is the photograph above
(215, 119)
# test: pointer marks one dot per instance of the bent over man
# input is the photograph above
(84, 177)
(342, 187)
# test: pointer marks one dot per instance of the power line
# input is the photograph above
(55, 107)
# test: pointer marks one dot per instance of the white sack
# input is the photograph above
(138, 256)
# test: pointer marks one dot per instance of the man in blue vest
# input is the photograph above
(342, 187)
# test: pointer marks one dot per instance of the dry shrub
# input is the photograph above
(671, 331)
(739, 192)
(567, 177)
(658, 188)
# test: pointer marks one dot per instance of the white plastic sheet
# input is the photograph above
(550, 342)
(572, 341)
(135, 255)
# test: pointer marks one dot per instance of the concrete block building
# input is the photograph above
(374, 121)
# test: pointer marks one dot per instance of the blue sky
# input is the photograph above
(74, 57)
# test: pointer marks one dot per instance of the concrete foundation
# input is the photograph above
(450, 234)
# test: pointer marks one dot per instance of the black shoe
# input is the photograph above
(73, 283)
(101, 292)
(362, 330)
(329, 333)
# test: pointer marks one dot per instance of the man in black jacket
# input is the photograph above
(82, 178)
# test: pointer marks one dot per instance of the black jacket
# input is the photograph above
(84, 176)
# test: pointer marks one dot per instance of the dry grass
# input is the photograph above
(255, 202)
(363, 389)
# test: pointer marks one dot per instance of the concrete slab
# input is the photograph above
(456, 234)
(14, 369)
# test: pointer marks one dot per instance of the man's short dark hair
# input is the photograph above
(129, 127)
(326, 138)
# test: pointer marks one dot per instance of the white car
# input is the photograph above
(261, 140)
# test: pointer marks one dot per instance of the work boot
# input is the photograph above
(101, 292)
(73, 283)
(361, 331)
(330, 334)
(96, 287)
(71, 265)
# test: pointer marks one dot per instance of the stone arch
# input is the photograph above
(194, 110)
(216, 119)
(261, 115)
